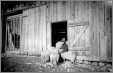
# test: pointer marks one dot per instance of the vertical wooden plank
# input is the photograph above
(40, 32)
(21, 34)
(99, 29)
(25, 21)
(79, 10)
(99, 44)
(78, 19)
(93, 50)
(35, 31)
(90, 32)
(24, 36)
(32, 25)
(76, 5)
(20, 21)
(48, 22)
(75, 9)
(64, 4)
(68, 19)
(28, 33)
(84, 11)
(86, 17)
(91, 22)
(37, 36)
(96, 29)
(49, 26)
(63, 10)
(102, 37)
(54, 11)
(41, 26)
(23, 31)
(93, 30)
(97, 26)
(51, 11)
(44, 26)
(72, 10)
(60, 11)
(67, 10)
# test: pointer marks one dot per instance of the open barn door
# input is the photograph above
(13, 32)
(59, 31)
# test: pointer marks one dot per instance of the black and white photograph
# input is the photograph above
(56, 36)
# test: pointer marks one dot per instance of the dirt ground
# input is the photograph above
(35, 64)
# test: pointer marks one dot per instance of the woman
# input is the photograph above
(62, 48)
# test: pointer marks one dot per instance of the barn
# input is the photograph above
(32, 27)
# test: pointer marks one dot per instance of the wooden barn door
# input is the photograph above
(78, 37)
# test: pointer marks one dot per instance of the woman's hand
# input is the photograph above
(60, 50)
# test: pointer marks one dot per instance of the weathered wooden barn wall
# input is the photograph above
(34, 29)
(99, 28)
(89, 31)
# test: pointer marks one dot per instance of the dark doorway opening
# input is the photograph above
(59, 31)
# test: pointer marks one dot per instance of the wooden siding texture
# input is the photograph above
(36, 27)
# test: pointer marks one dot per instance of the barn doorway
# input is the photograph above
(59, 31)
